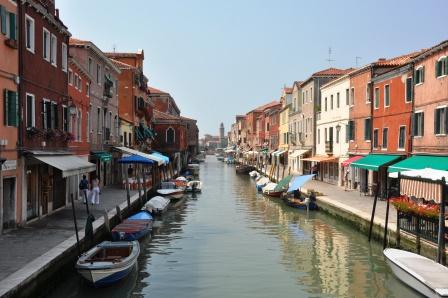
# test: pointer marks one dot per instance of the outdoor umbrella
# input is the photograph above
(283, 184)
(298, 182)
(136, 159)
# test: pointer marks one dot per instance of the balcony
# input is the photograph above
(329, 147)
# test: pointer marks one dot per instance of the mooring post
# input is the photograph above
(398, 239)
(385, 224)
(76, 225)
(128, 195)
(145, 195)
(373, 215)
(87, 202)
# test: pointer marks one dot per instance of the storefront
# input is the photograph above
(104, 169)
(327, 167)
(295, 160)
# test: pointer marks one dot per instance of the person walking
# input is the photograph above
(95, 199)
(84, 188)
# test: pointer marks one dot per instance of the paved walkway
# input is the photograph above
(21, 246)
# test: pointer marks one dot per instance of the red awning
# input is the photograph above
(350, 160)
(421, 189)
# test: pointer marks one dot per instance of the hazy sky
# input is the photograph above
(221, 58)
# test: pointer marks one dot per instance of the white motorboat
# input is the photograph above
(253, 174)
(194, 186)
(262, 183)
(422, 274)
(108, 262)
(170, 191)
(157, 205)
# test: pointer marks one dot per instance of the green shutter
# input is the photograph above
(5, 107)
(437, 68)
(3, 19)
(423, 124)
(446, 65)
(11, 108)
(12, 26)
(435, 122)
(413, 125)
(423, 74)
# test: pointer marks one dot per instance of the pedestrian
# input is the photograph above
(347, 173)
(84, 188)
(315, 171)
(95, 198)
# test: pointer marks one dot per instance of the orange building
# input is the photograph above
(11, 208)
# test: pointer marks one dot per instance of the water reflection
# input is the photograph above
(231, 241)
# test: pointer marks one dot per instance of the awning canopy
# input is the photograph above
(426, 173)
(283, 184)
(375, 161)
(164, 157)
(350, 160)
(279, 152)
(297, 153)
(298, 182)
(421, 189)
(320, 158)
(153, 157)
(70, 165)
(136, 159)
(102, 156)
(418, 162)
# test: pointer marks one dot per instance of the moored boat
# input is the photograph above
(244, 169)
(108, 262)
(269, 190)
(422, 274)
(157, 205)
(261, 183)
(170, 191)
(194, 186)
(134, 227)
(296, 203)
(254, 174)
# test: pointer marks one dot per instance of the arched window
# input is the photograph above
(170, 135)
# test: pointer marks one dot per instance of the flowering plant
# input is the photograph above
(408, 206)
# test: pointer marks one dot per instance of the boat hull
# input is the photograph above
(312, 206)
(275, 194)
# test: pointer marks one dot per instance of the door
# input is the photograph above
(9, 199)
(31, 193)
(59, 186)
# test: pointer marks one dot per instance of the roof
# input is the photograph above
(124, 55)
(266, 106)
(158, 115)
(440, 46)
(331, 72)
(398, 61)
(156, 91)
(288, 90)
(186, 118)
(122, 65)
(297, 83)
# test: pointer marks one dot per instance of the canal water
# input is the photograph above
(231, 241)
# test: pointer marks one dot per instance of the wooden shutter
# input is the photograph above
(3, 19)
(438, 68)
(56, 116)
(446, 65)
(435, 122)
(446, 121)
(43, 115)
(423, 124)
(423, 74)
(12, 26)
(413, 125)
(5, 107)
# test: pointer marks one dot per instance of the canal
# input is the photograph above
(231, 241)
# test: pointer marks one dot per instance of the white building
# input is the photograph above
(332, 130)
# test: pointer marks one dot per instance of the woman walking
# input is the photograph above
(95, 191)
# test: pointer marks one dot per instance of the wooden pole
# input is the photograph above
(139, 187)
(417, 231)
(373, 214)
(87, 202)
(76, 225)
(385, 224)
(398, 239)
(128, 195)
(441, 237)
(145, 193)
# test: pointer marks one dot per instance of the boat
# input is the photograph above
(193, 168)
(194, 186)
(254, 174)
(262, 183)
(244, 169)
(297, 203)
(220, 158)
(157, 205)
(170, 191)
(421, 274)
(269, 190)
(134, 227)
(108, 262)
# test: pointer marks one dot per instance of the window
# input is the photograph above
(402, 137)
(440, 121)
(418, 124)
(347, 97)
(376, 99)
(125, 139)
(352, 97)
(318, 136)
(64, 57)
(98, 121)
(351, 130)
(75, 80)
(54, 115)
(30, 110)
(419, 75)
(367, 129)
(385, 137)
(65, 118)
(337, 134)
(8, 23)
(442, 67)
(70, 77)
(90, 65)
(347, 133)
(375, 138)
(130, 139)
(46, 114)
(79, 84)
(303, 98)
(88, 89)
(331, 102)
(78, 130)
(46, 44)
(88, 127)
(29, 33)
(338, 103)
(409, 89)
(98, 74)
(325, 104)
(368, 94)
(386, 95)
(53, 50)
(11, 108)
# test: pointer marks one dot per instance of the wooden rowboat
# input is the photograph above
(422, 274)
(134, 227)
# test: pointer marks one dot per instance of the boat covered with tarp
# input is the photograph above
(157, 205)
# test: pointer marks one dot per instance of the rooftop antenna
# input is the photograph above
(114, 47)
(357, 58)
(329, 56)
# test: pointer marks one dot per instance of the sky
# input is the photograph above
(222, 58)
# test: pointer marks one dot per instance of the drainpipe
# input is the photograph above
(411, 139)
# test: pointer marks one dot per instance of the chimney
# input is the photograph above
(56, 12)
(381, 59)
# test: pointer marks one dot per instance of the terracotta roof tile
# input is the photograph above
(287, 90)
(332, 72)
(75, 41)
(121, 65)
(156, 91)
(122, 54)
(398, 61)
(266, 106)
(158, 115)
(188, 119)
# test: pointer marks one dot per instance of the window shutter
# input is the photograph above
(435, 122)
(413, 125)
(3, 19)
(56, 116)
(446, 121)
(42, 113)
(423, 74)
(437, 68)
(16, 108)
(12, 26)
(5, 107)
(446, 65)
(423, 124)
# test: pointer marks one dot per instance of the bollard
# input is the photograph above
(117, 208)
(76, 225)
(106, 221)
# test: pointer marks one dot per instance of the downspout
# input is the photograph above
(20, 88)
(411, 133)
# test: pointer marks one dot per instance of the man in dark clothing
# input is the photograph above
(84, 187)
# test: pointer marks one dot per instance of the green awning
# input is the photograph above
(375, 161)
(418, 162)
(103, 156)
(283, 184)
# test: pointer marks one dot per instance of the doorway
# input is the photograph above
(9, 199)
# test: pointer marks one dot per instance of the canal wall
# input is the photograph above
(44, 272)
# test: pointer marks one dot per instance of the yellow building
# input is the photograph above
(284, 119)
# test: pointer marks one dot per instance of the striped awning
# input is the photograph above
(421, 189)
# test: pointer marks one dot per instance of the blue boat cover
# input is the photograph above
(141, 215)
(166, 159)
(136, 159)
(298, 181)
